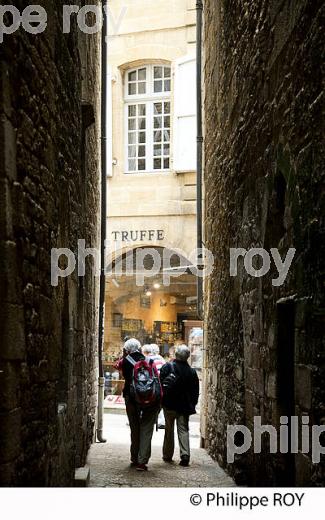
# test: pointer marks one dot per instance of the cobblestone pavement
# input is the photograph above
(110, 463)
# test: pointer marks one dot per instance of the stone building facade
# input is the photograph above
(50, 193)
(158, 199)
(152, 175)
(264, 166)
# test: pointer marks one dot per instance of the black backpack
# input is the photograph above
(171, 382)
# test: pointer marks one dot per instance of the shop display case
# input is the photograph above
(167, 332)
(195, 344)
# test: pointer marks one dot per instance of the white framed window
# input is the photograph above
(148, 118)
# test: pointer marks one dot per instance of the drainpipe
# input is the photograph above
(101, 379)
(199, 24)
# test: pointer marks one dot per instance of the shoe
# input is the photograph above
(133, 464)
(168, 460)
(161, 427)
(185, 461)
(141, 467)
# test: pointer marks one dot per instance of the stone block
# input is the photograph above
(5, 209)
(255, 380)
(9, 276)
(82, 477)
(5, 92)
(8, 474)
(303, 387)
(10, 425)
(9, 386)
(303, 469)
(8, 135)
(271, 385)
(13, 333)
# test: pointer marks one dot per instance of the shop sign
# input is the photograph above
(141, 235)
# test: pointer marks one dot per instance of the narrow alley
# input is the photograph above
(162, 183)
(110, 466)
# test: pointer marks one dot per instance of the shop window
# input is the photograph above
(148, 119)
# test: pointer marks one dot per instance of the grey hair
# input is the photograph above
(155, 348)
(147, 349)
(132, 345)
(182, 352)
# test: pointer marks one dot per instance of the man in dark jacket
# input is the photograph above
(141, 422)
(179, 403)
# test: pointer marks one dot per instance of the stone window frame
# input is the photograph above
(148, 112)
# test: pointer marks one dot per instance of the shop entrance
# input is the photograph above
(153, 312)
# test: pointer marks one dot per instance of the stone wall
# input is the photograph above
(49, 191)
(264, 167)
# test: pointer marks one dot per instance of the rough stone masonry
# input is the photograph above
(49, 197)
(264, 173)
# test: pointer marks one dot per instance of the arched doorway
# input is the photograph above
(150, 295)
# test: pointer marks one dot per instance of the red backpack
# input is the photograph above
(145, 386)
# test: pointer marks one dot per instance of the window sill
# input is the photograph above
(180, 172)
(147, 174)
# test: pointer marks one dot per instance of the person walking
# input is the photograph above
(159, 362)
(181, 389)
(142, 419)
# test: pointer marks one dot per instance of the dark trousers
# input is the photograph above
(142, 423)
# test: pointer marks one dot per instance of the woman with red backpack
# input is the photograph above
(142, 393)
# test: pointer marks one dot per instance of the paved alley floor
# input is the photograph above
(110, 463)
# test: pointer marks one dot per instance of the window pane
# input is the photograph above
(158, 108)
(167, 72)
(132, 124)
(142, 110)
(157, 136)
(141, 88)
(157, 122)
(157, 164)
(167, 108)
(133, 76)
(167, 85)
(166, 164)
(166, 149)
(158, 86)
(157, 150)
(142, 123)
(167, 122)
(166, 135)
(132, 110)
(141, 164)
(132, 89)
(142, 137)
(132, 164)
(132, 151)
(142, 74)
(132, 138)
(158, 72)
(141, 151)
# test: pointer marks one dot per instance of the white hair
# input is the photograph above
(155, 348)
(147, 349)
(132, 345)
(182, 352)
